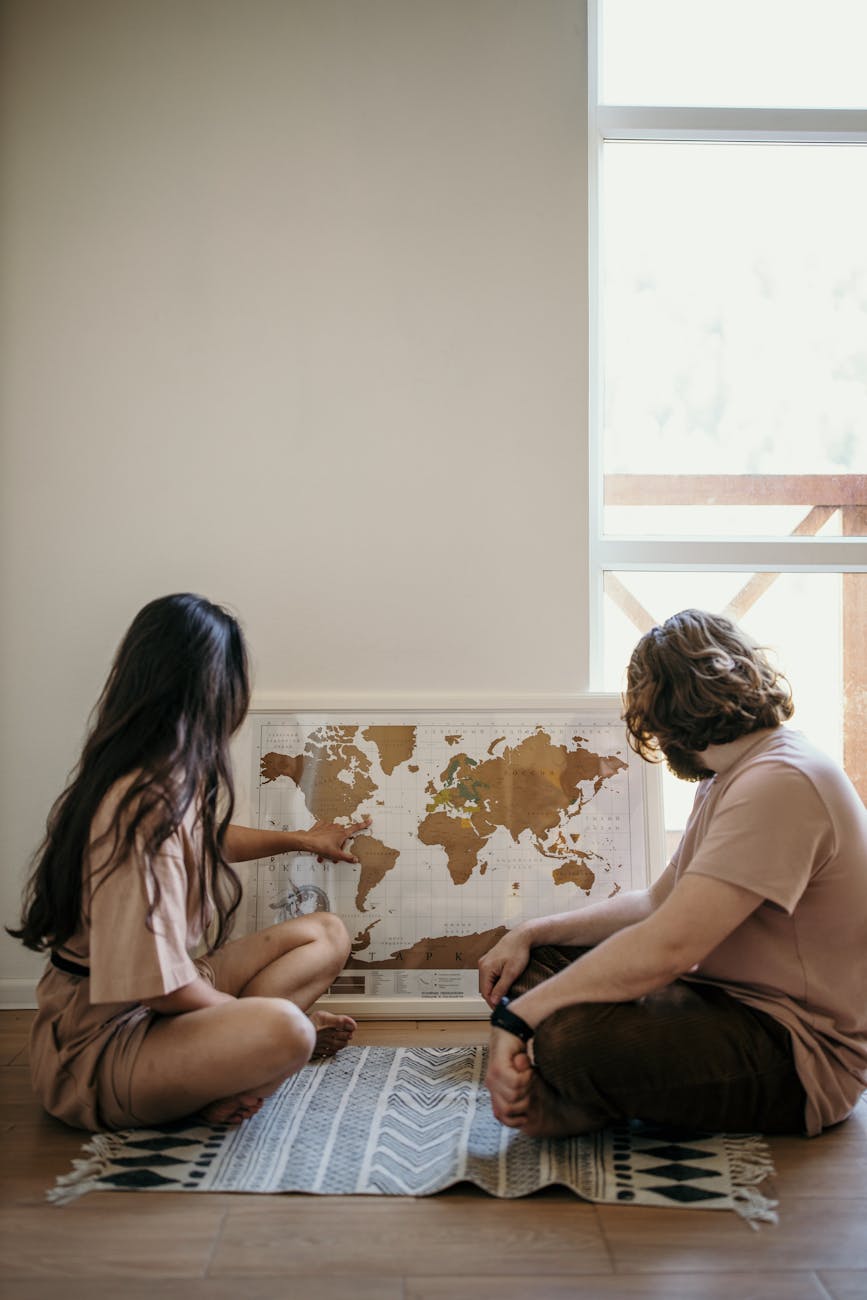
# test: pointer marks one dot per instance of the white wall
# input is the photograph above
(293, 315)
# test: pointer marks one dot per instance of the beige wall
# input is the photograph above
(293, 314)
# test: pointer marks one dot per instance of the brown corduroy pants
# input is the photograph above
(688, 1056)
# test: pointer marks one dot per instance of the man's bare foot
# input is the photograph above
(550, 1116)
(231, 1110)
(332, 1032)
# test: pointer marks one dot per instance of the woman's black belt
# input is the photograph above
(70, 967)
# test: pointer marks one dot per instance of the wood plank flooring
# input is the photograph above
(460, 1245)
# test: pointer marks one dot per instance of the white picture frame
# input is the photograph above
(644, 784)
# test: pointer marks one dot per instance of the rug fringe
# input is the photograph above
(750, 1164)
(85, 1174)
(753, 1207)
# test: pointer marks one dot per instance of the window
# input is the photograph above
(728, 148)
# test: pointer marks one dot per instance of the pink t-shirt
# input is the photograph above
(786, 823)
(129, 959)
(87, 1032)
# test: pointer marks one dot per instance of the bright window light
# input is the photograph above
(761, 53)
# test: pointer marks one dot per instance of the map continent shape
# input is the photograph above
(394, 744)
(527, 787)
(329, 756)
(444, 952)
(376, 860)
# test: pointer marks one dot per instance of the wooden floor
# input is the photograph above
(458, 1244)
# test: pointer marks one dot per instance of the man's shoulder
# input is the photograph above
(787, 752)
(788, 774)
(781, 774)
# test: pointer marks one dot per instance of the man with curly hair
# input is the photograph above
(732, 994)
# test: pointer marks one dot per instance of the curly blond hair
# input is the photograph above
(699, 680)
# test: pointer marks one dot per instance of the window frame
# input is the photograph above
(618, 553)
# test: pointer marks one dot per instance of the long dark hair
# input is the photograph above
(177, 690)
(699, 680)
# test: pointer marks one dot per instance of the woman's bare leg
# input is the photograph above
(295, 959)
(221, 1061)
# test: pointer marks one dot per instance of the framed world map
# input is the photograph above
(480, 818)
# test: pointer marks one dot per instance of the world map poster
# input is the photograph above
(479, 820)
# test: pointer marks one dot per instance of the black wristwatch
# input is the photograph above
(503, 1018)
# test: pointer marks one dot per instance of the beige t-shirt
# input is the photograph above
(786, 823)
(129, 959)
(87, 1032)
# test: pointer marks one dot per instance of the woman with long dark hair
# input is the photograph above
(135, 875)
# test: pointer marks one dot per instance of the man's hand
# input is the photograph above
(508, 1078)
(326, 839)
(500, 967)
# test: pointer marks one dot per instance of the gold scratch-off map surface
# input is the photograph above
(479, 820)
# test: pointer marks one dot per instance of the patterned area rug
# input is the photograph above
(412, 1121)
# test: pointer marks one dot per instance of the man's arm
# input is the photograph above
(583, 928)
(694, 919)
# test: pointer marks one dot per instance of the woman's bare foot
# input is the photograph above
(332, 1032)
(232, 1110)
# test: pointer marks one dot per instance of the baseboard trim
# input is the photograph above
(17, 994)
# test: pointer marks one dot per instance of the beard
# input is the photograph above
(684, 763)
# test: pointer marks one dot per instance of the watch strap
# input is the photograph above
(503, 1018)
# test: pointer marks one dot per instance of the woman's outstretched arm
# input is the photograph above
(325, 839)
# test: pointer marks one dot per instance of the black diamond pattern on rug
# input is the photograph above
(164, 1143)
(685, 1192)
(673, 1151)
(138, 1179)
(680, 1173)
(148, 1162)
